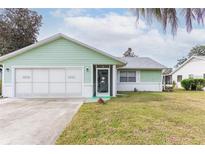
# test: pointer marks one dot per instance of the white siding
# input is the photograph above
(195, 66)
(140, 86)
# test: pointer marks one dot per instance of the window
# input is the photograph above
(123, 76)
(127, 76)
(179, 78)
(191, 76)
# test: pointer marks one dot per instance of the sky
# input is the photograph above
(116, 30)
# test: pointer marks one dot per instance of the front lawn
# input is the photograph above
(140, 118)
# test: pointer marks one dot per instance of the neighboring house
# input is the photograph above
(63, 67)
(140, 73)
(194, 67)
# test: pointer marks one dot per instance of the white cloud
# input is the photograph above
(114, 33)
(68, 12)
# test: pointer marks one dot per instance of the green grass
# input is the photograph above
(140, 118)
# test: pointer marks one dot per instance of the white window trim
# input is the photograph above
(181, 79)
(137, 77)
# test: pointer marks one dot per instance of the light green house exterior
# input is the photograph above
(66, 54)
(56, 53)
(150, 75)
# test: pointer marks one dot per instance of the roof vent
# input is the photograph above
(129, 53)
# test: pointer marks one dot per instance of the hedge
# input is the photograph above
(193, 84)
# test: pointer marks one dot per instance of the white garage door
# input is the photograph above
(52, 82)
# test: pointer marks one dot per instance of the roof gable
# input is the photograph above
(54, 38)
(187, 61)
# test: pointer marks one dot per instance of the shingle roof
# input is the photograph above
(141, 63)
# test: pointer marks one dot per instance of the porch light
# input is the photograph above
(87, 69)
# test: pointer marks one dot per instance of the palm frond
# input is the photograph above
(164, 19)
(170, 17)
(198, 13)
(149, 13)
(173, 20)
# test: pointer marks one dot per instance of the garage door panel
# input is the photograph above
(74, 75)
(57, 75)
(23, 89)
(23, 75)
(49, 82)
(40, 75)
(40, 89)
(57, 88)
(74, 89)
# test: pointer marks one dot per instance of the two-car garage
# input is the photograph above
(59, 66)
(48, 82)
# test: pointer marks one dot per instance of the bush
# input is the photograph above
(186, 84)
(199, 83)
(193, 84)
(199, 87)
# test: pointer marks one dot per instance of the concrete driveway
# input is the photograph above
(35, 121)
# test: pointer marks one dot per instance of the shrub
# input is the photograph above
(193, 84)
(200, 83)
(186, 84)
(199, 87)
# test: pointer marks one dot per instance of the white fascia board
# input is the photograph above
(188, 60)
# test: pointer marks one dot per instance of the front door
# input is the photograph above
(102, 85)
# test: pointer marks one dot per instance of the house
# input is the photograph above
(60, 66)
(140, 73)
(194, 67)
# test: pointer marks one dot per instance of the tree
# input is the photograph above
(180, 61)
(195, 51)
(129, 53)
(18, 28)
(169, 17)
